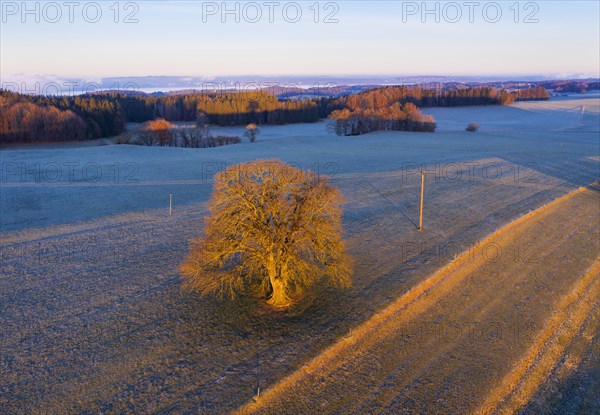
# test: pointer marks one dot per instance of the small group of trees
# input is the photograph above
(395, 117)
(162, 133)
(272, 229)
(195, 138)
(531, 94)
(159, 132)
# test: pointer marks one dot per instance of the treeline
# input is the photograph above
(577, 86)
(395, 117)
(383, 97)
(32, 118)
(224, 109)
(396, 107)
(29, 118)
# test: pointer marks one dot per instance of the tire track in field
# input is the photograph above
(524, 379)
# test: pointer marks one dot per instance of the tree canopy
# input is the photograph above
(273, 227)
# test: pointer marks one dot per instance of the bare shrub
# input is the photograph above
(252, 132)
(124, 138)
(472, 127)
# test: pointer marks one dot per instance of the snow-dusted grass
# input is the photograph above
(93, 315)
(79, 183)
(558, 114)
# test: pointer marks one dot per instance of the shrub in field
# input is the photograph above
(224, 140)
(187, 138)
(124, 138)
(251, 132)
(472, 127)
(271, 227)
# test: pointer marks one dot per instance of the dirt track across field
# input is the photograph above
(481, 335)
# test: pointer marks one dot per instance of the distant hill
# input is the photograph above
(293, 88)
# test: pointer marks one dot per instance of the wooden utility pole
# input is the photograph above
(170, 204)
(422, 195)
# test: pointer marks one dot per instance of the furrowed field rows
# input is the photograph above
(94, 316)
(421, 355)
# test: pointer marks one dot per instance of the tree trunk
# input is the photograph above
(279, 298)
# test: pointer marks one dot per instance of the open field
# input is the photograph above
(425, 354)
(94, 319)
(47, 186)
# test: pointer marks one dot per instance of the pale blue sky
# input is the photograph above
(370, 38)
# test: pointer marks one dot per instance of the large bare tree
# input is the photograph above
(271, 226)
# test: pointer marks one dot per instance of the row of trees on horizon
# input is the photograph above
(34, 118)
(378, 98)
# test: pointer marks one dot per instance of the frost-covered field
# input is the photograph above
(44, 186)
(93, 317)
